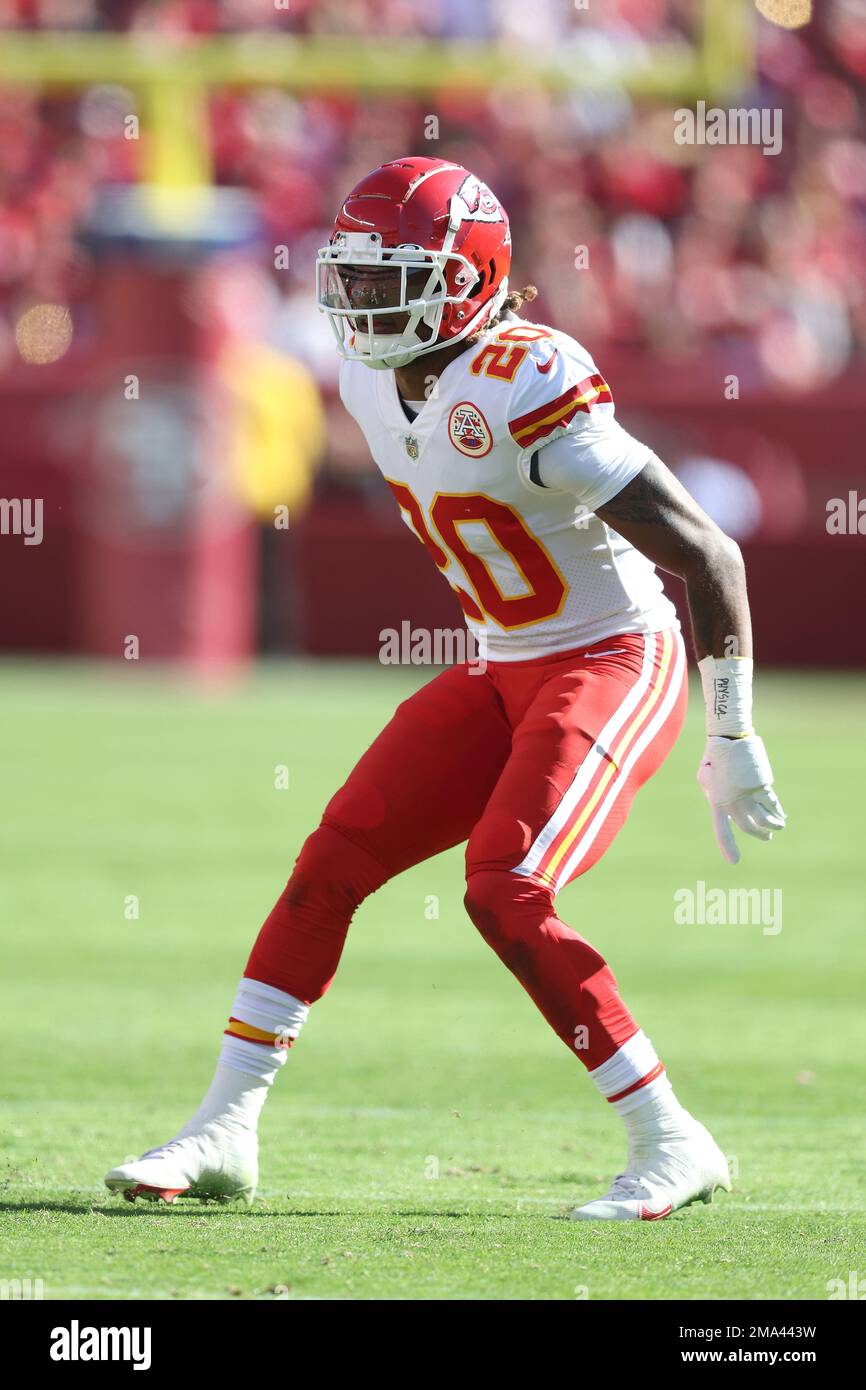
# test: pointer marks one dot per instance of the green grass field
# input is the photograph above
(425, 1057)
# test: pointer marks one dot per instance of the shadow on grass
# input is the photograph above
(195, 1207)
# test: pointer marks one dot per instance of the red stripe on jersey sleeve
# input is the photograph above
(537, 424)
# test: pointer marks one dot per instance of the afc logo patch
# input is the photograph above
(469, 431)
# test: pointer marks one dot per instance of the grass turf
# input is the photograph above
(428, 1129)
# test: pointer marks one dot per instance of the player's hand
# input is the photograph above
(737, 780)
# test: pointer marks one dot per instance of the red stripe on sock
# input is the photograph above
(644, 1081)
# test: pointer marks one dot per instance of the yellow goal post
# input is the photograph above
(171, 77)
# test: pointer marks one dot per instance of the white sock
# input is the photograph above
(234, 1098)
(263, 1025)
(634, 1082)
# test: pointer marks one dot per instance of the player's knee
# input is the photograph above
(331, 871)
(505, 907)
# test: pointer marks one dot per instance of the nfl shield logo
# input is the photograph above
(411, 445)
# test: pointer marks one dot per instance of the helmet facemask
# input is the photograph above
(385, 305)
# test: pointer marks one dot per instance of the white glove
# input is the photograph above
(737, 780)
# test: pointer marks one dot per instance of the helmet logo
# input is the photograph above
(479, 203)
(469, 431)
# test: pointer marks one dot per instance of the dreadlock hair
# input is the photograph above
(508, 310)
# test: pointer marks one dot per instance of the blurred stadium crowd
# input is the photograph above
(762, 256)
(680, 266)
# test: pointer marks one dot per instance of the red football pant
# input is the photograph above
(535, 764)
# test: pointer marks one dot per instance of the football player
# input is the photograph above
(498, 440)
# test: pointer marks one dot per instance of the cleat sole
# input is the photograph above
(154, 1194)
(130, 1191)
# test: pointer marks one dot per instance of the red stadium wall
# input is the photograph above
(805, 583)
(352, 568)
(804, 608)
(142, 534)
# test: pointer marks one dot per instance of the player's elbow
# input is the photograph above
(730, 556)
(716, 554)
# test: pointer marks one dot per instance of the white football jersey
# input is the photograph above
(534, 569)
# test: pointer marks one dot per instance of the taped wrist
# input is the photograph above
(727, 683)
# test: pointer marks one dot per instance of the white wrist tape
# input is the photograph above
(727, 683)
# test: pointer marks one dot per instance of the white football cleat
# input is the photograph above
(662, 1175)
(217, 1164)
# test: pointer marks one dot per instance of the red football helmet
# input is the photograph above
(419, 257)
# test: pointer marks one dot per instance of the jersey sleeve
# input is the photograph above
(595, 463)
(562, 419)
